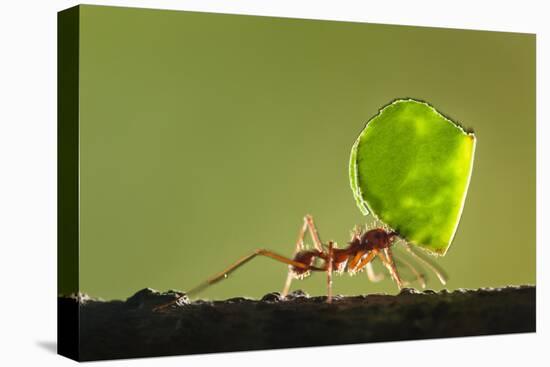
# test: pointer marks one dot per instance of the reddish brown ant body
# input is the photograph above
(362, 249)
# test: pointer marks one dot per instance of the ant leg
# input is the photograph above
(319, 247)
(387, 259)
(308, 224)
(222, 275)
(373, 277)
(438, 272)
(314, 233)
(421, 279)
(353, 265)
(367, 263)
(366, 260)
(329, 271)
(299, 247)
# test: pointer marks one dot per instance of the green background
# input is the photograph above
(205, 136)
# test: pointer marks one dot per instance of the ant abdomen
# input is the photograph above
(307, 258)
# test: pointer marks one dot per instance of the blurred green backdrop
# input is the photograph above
(205, 136)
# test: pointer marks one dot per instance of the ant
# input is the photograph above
(362, 249)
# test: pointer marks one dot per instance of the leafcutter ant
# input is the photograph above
(364, 246)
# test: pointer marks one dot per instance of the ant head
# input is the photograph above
(378, 238)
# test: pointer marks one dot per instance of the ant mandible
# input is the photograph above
(361, 251)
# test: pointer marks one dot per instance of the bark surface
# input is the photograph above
(126, 329)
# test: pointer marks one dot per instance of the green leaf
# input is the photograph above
(411, 168)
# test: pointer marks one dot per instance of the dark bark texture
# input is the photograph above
(126, 329)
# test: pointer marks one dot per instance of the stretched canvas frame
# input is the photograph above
(187, 140)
